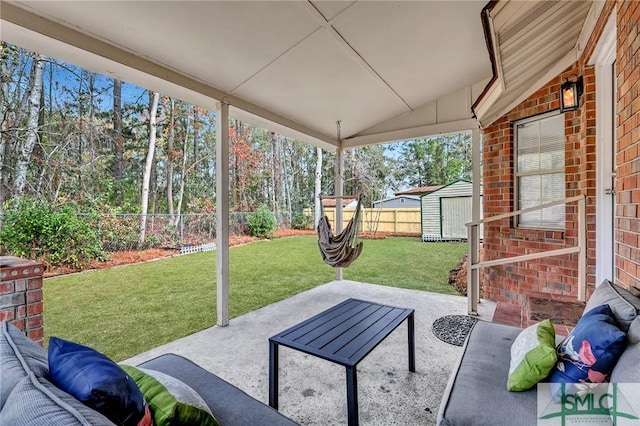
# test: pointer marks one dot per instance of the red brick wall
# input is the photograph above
(627, 235)
(502, 239)
(21, 295)
(559, 275)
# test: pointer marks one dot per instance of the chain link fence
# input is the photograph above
(121, 232)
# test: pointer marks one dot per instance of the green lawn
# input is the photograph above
(128, 310)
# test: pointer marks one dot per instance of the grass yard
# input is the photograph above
(127, 310)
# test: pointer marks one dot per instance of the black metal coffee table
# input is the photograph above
(343, 334)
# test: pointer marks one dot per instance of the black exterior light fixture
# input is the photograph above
(570, 92)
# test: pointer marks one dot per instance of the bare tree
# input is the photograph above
(118, 142)
(318, 186)
(26, 148)
(184, 170)
(153, 116)
(170, 155)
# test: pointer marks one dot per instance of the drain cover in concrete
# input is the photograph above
(453, 329)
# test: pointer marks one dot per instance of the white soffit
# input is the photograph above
(533, 42)
(300, 64)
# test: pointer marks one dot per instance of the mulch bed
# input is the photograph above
(129, 257)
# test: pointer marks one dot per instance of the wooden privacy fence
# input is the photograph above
(394, 221)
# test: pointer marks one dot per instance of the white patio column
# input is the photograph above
(339, 192)
(473, 275)
(222, 212)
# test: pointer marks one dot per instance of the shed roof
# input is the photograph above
(332, 202)
(408, 197)
(421, 190)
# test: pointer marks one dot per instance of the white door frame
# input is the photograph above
(603, 58)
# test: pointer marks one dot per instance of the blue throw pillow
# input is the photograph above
(97, 381)
(589, 353)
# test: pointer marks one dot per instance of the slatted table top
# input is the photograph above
(345, 333)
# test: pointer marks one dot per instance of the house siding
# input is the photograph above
(401, 202)
(559, 275)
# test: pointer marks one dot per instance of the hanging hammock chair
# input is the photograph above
(339, 250)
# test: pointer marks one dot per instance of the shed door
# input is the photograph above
(454, 213)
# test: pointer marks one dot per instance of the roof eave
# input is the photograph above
(498, 98)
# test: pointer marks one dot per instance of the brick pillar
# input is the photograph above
(21, 295)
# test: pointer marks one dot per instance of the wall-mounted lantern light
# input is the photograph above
(570, 92)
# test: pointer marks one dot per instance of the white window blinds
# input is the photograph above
(540, 165)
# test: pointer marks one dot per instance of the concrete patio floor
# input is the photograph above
(312, 391)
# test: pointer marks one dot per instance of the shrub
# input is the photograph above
(119, 233)
(262, 223)
(300, 221)
(151, 241)
(57, 236)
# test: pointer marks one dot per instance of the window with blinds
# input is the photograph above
(540, 168)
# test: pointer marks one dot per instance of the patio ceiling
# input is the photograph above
(387, 70)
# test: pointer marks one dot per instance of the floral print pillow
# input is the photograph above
(589, 353)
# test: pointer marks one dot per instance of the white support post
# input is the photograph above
(339, 191)
(473, 231)
(222, 212)
(582, 243)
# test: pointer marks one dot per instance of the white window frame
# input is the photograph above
(517, 174)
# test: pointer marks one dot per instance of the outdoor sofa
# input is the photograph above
(28, 397)
(477, 390)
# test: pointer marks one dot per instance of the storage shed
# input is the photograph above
(398, 202)
(445, 211)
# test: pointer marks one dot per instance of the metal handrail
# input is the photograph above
(527, 210)
(474, 265)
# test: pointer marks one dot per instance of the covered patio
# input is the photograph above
(312, 390)
(386, 71)
(337, 75)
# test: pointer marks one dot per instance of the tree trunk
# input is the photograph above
(196, 135)
(282, 177)
(183, 174)
(118, 142)
(5, 141)
(37, 157)
(153, 112)
(26, 149)
(5, 168)
(274, 174)
(318, 186)
(170, 139)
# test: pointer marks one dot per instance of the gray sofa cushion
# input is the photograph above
(229, 405)
(624, 305)
(36, 402)
(19, 356)
(627, 369)
(633, 335)
(477, 392)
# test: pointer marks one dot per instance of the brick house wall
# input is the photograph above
(559, 275)
(627, 225)
(21, 295)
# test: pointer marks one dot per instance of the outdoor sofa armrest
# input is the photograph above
(230, 405)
